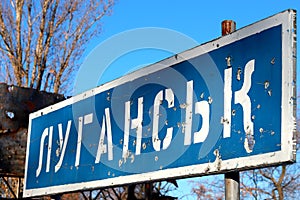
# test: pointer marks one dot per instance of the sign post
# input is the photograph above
(226, 105)
(232, 179)
(232, 186)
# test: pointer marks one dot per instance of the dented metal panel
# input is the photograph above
(226, 105)
(15, 105)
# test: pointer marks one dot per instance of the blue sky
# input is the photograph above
(198, 20)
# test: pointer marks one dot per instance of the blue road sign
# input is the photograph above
(226, 105)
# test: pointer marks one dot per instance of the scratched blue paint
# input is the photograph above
(265, 110)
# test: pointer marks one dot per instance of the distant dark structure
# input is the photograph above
(16, 103)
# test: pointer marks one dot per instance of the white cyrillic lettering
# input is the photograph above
(87, 119)
(44, 135)
(62, 144)
(155, 139)
(202, 108)
(170, 99)
(126, 129)
(227, 102)
(188, 113)
(169, 96)
(242, 98)
(79, 139)
(135, 124)
(109, 134)
(102, 148)
(49, 149)
(168, 138)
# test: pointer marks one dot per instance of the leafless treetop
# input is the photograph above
(42, 41)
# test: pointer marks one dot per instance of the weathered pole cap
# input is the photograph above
(228, 26)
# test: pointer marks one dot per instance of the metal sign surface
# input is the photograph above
(225, 105)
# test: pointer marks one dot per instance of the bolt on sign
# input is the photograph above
(228, 104)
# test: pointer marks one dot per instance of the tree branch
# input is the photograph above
(39, 47)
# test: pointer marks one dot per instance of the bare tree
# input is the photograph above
(159, 191)
(276, 183)
(211, 187)
(272, 183)
(41, 42)
(282, 182)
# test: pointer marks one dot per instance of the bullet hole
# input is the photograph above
(144, 146)
(266, 84)
(120, 162)
(202, 95)
(228, 61)
(218, 161)
(238, 74)
(10, 114)
(248, 130)
(272, 132)
(273, 61)
(270, 92)
(57, 152)
(224, 121)
(233, 112)
(10, 88)
(261, 130)
(210, 100)
(132, 158)
(249, 143)
(183, 106)
(207, 169)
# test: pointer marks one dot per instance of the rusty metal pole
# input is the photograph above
(232, 179)
(148, 191)
(232, 186)
(228, 26)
